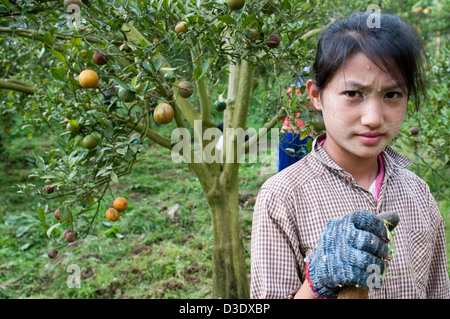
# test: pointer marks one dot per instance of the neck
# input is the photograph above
(363, 170)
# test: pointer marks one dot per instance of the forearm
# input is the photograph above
(304, 292)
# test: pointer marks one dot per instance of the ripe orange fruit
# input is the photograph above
(112, 214)
(235, 4)
(88, 79)
(186, 89)
(181, 27)
(163, 113)
(120, 203)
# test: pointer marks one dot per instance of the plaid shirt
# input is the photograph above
(293, 207)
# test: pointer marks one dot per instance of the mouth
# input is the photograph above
(370, 137)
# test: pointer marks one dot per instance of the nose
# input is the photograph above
(372, 112)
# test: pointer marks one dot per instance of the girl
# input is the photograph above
(315, 224)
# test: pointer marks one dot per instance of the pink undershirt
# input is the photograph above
(379, 180)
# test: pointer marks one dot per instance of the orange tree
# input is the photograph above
(136, 54)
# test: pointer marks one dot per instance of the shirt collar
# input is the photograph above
(391, 158)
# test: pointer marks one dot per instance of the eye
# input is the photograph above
(352, 94)
(393, 95)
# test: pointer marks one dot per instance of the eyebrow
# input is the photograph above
(359, 86)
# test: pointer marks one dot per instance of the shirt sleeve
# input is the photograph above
(275, 265)
(438, 281)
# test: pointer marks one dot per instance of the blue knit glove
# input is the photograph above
(348, 245)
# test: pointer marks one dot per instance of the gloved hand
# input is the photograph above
(348, 245)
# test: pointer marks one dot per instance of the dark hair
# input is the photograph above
(394, 47)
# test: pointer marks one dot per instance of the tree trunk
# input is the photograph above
(229, 269)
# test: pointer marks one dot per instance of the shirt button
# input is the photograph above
(348, 178)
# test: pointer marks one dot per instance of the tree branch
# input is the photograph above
(19, 86)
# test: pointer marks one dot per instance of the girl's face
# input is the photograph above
(362, 106)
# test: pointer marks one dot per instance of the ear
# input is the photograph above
(314, 94)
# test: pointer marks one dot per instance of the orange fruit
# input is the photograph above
(254, 35)
(181, 27)
(88, 79)
(163, 113)
(90, 141)
(100, 57)
(112, 214)
(186, 89)
(120, 203)
(52, 253)
(235, 4)
(273, 40)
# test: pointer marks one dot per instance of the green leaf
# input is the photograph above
(49, 231)
(227, 19)
(6, 3)
(123, 84)
(205, 68)
(158, 63)
(114, 178)
(147, 67)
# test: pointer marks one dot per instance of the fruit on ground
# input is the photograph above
(126, 95)
(49, 189)
(273, 40)
(163, 113)
(186, 89)
(235, 4)
(100, 57)
(414, 131)
(181, 27)
(56, 214)
(90, 141)
(112, 214)
(88, 79)
(120, 203)
(52, 253)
